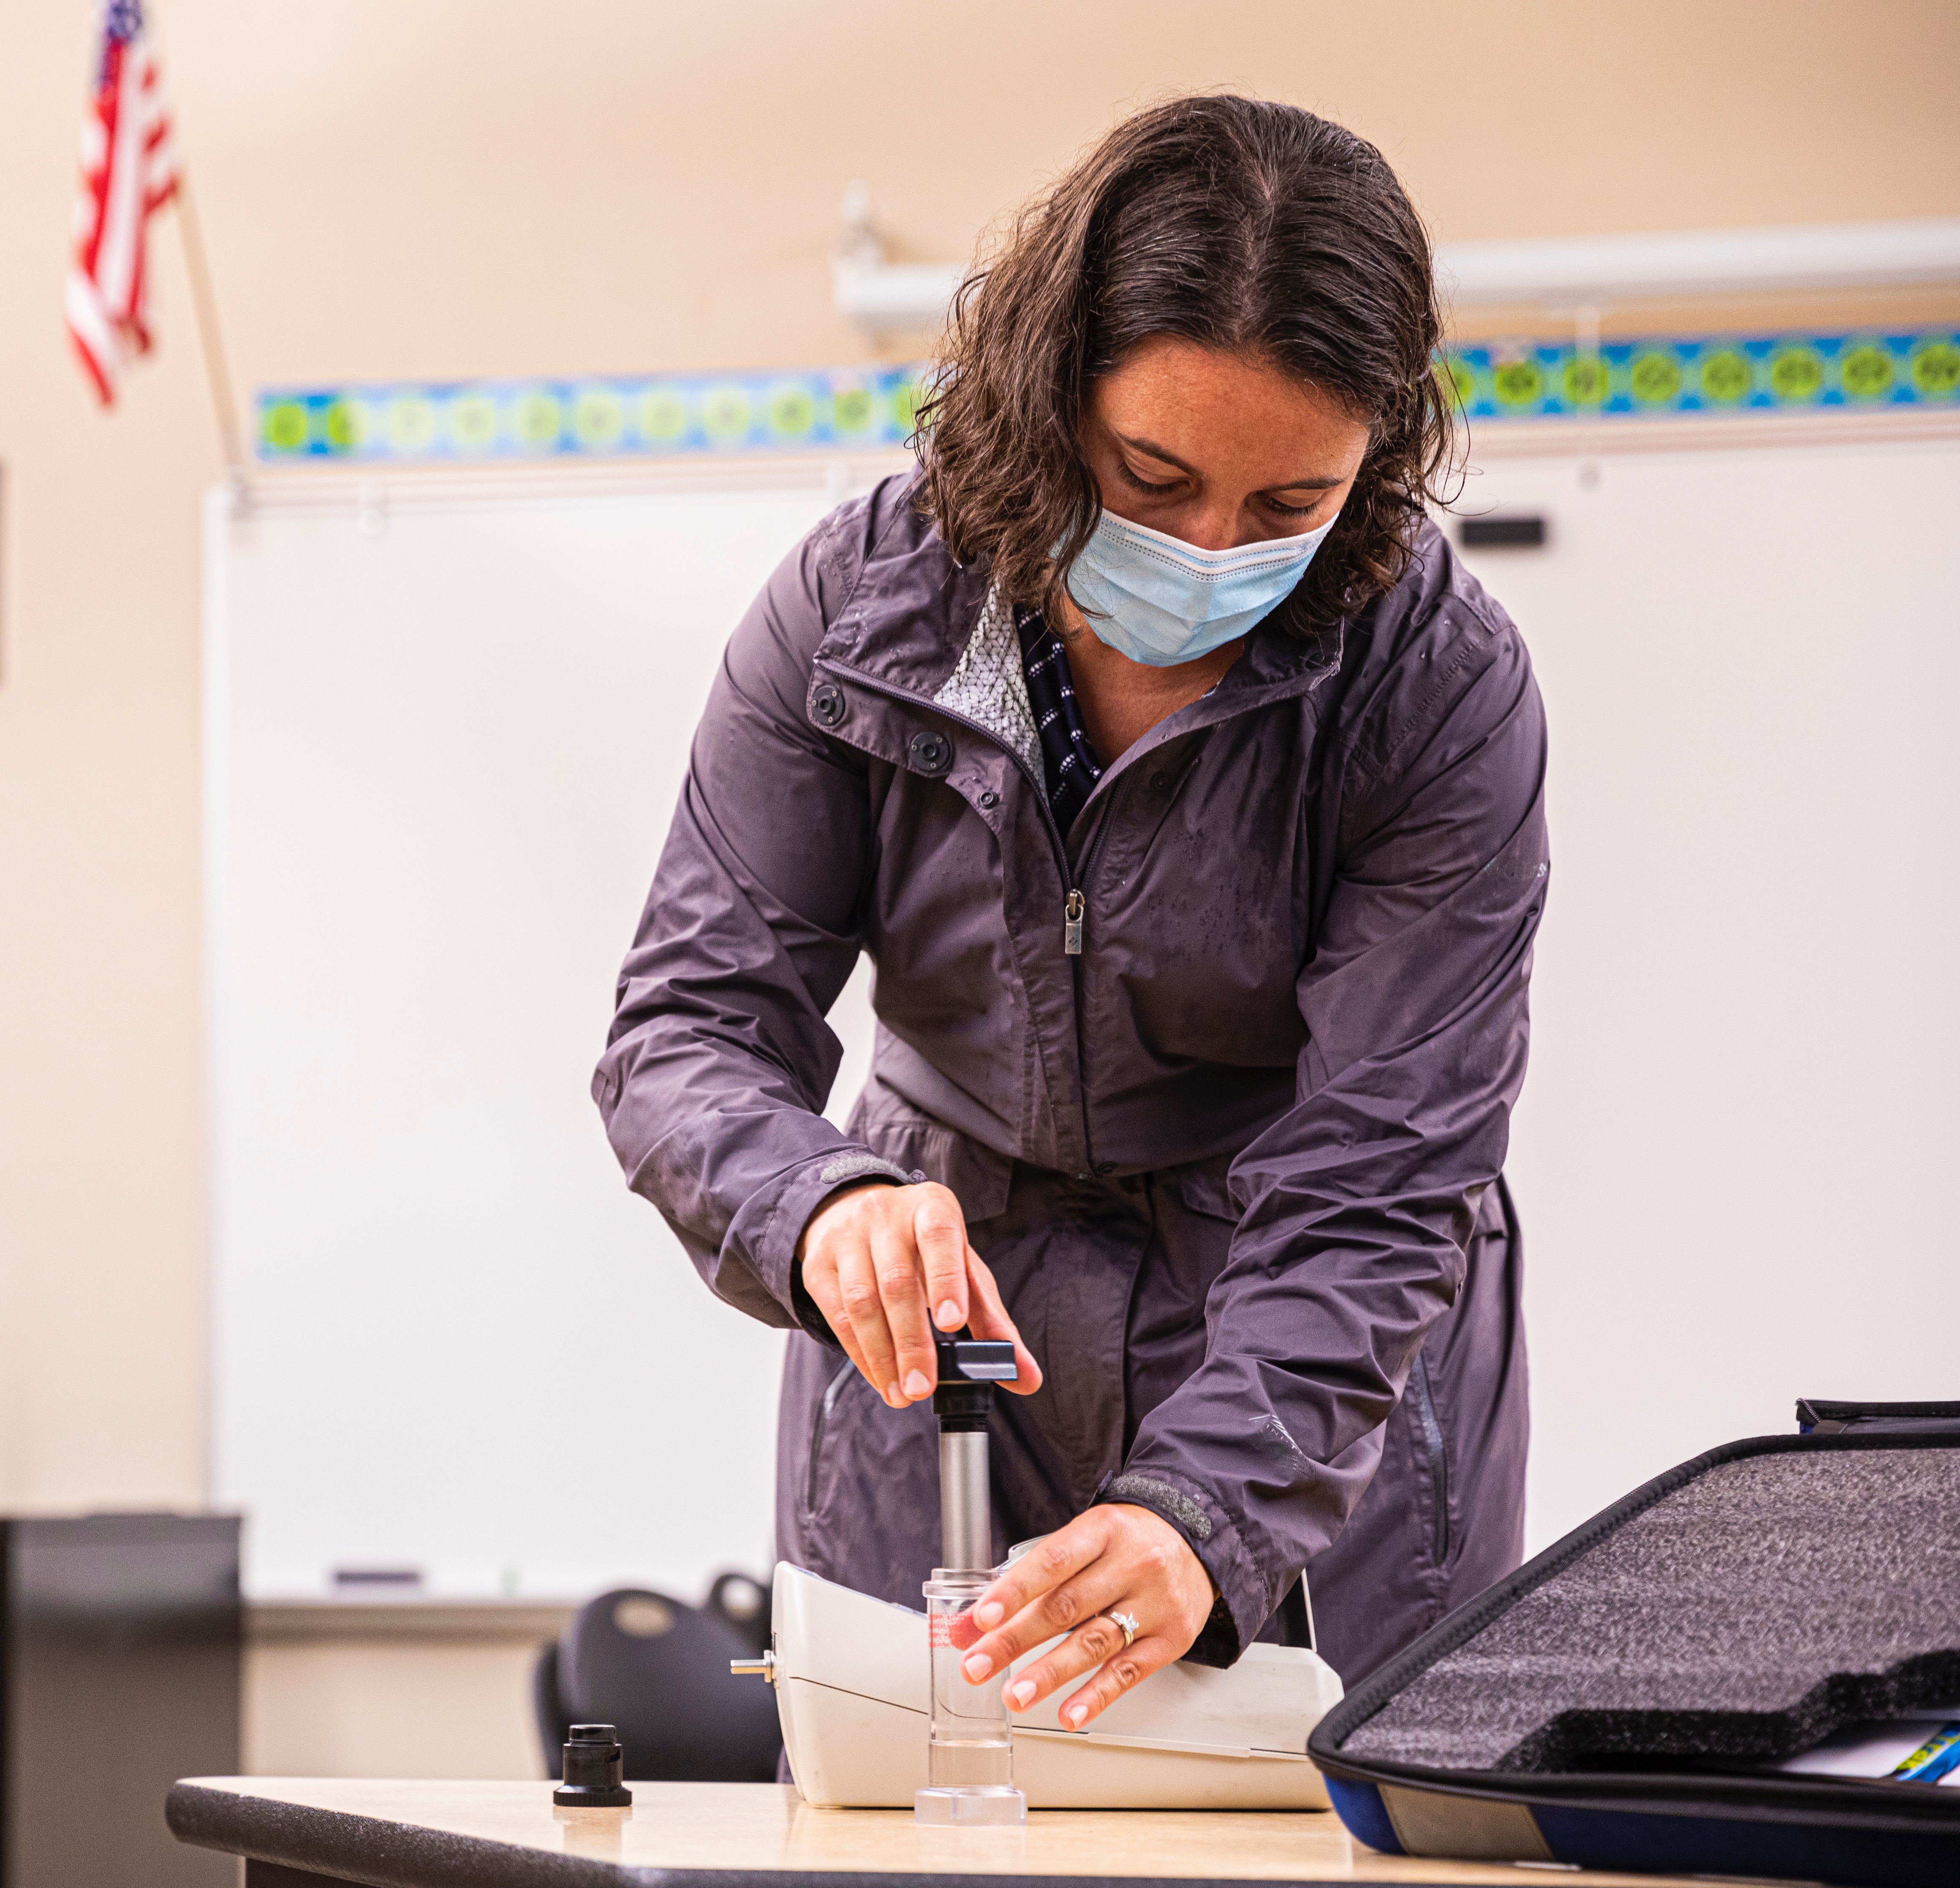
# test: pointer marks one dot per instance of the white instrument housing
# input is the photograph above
(851, 1674)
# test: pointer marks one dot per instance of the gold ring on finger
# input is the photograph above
(1125, 1624)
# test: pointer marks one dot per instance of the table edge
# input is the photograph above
(375, 1852)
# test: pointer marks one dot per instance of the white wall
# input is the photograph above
(447, 722)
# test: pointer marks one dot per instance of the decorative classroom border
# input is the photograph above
(844, 410)
(1715, 374)
(856, 410)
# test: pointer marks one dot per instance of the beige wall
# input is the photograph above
(393, 1707)
(383, 1690)
(502, 187)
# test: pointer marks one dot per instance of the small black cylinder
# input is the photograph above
(962, 1406)
(594, 1762)
(968, 1369)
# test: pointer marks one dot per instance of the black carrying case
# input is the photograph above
(1604, 1705)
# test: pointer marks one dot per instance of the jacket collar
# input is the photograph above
(914, 617)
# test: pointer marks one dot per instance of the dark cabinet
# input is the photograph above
(119, 1649)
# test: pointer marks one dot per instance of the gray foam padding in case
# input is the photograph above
(1745, 1616)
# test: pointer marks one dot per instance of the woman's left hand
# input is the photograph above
(1114, 1556)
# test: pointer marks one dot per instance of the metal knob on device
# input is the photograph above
(594, 1762)
(764, 1668)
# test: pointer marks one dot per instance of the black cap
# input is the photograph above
(978, 1360)
(593, 1764)
(968, 1369)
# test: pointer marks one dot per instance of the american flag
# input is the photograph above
(127, 171)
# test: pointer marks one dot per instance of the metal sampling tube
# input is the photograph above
(965, 1525)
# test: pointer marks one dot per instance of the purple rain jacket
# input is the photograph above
(1236, 1161)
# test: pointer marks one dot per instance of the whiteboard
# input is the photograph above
(445, 725)
(446, 721)
(1733, 1156)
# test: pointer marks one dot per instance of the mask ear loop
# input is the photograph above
(1062, 573)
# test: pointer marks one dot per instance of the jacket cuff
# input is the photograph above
(777, 1225)
(1241, 1608)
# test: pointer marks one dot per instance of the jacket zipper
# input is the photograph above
(1432, 1445)
(831, 1391)
(1074, 909)
(1075, 904)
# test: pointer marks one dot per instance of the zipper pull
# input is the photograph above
(1072, 926)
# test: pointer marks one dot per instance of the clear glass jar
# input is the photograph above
(970, 1764)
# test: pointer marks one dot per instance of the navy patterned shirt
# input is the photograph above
(1068, 760)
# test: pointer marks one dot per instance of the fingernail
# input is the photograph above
(977, 1667)
(891, 1395)
(1019, 1695)
(916, 1385)
(948, 1316)
(1075, 1714)
(989, 1616)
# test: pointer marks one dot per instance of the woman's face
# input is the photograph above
(1218, 449)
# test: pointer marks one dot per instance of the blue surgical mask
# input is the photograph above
(1159, 600)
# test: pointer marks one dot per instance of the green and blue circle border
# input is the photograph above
(1724, 373)
(668, 416)
(657, 416)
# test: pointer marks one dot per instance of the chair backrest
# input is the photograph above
(553, 1721)
(658, 1669)
(744, 1604)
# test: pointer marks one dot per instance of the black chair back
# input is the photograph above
(658, 1669)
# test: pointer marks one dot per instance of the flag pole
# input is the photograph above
(211, 337)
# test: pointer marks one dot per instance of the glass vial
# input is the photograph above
(970, 1766)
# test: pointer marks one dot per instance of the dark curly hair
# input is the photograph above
(1252, 227)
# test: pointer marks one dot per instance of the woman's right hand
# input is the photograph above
(885, 1265)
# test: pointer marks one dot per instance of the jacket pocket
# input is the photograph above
(1432, 1455)
(821, 1426)
(977, 1177)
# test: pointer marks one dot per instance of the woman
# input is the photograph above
(1186, 792)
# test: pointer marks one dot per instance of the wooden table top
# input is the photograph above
(395, 1834)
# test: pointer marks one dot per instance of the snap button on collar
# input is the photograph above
(827, 704)
(931, 753)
